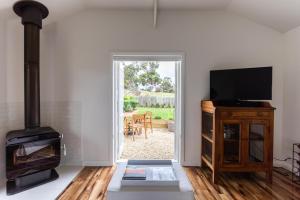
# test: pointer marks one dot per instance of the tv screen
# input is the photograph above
(241, 84)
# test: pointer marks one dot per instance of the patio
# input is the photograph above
(159, 145)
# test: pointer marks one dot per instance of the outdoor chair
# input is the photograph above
(128, 127)
(148, 120)
(138, 123)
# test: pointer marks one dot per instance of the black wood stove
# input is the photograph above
(34, 152)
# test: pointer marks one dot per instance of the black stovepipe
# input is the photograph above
(32, 13)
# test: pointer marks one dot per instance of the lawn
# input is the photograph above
(164, 113)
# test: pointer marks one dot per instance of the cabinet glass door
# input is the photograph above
(231, 143)
(256, 142)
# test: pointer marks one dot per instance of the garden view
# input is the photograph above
(148, 90)
(149, 87)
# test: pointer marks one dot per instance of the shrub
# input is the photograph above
(157, 105)
(134, 104)
(157, 117)
(130, 103)
(127, 108)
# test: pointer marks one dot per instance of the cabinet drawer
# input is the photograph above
(250, 114)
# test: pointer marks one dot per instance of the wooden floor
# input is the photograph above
(92, 183)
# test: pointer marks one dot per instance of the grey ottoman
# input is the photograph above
(116, 192)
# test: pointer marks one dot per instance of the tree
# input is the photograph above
(131, 78)
(167, 85)
(149, 78)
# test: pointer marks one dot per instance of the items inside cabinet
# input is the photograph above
(207, 124)
(207, 150)
(231, 144)
(256, 142)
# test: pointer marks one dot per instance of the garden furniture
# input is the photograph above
(138, 123)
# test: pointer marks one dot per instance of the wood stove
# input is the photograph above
(31, 153)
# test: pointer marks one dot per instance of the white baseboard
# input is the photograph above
(276, 163)
(72, 163)
(87, 163)
(190, 164)
(97, 163)
(2, 169)
(282, 164)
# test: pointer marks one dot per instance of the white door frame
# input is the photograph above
(178, 57)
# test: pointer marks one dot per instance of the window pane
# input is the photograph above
(231, 143)
(256, 143)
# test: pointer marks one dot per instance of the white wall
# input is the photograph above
(291, 133)
(2, 62)
(210, 40)
(3, 107)
(79, 73)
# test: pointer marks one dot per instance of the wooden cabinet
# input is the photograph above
(237, 138)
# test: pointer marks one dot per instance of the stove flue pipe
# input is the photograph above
(32, 14)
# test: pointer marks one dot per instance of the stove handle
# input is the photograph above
(63, 147)
(65, 150)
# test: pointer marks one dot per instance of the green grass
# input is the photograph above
(164, 113)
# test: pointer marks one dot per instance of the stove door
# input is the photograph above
(31, 157)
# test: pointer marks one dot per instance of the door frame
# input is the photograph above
(179, 58)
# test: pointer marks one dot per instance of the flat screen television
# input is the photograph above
(241, 84)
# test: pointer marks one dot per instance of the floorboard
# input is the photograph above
(92, 182)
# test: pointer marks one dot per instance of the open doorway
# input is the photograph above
(147, 107)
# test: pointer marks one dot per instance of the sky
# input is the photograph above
(167, 69)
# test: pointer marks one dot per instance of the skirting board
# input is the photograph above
(109, 163)
(282, 164)
(97, 163)
(2, 169)
(72, 163)
(276, 163)
(190, 164)
(87, 163)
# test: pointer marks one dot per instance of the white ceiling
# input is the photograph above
(282, 15)
(163, 4)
